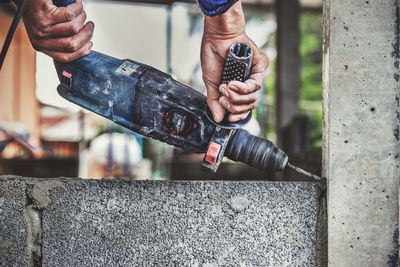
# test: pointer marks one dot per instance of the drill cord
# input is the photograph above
(11, 32)
(306, 173)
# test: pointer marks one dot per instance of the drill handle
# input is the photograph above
(237, 67)
(237, 63)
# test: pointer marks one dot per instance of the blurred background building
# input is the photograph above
(43, 135)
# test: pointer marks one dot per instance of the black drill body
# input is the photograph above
(139, 98)
(151, 103)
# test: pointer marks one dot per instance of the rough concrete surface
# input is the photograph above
(361, 134)
(73, 222)
(178, 223)
(13, 247)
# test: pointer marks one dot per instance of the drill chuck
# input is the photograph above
(255, 151)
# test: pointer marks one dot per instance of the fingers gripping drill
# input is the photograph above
(151, 103)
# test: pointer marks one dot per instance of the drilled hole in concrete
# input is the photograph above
(373, 110)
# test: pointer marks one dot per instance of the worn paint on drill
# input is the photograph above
(142, 101)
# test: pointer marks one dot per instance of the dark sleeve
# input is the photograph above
(215, 7)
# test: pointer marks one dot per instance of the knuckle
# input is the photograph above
(256, 87)
(38, 34)
(42, 24)
(69, 14)
(74, 29)
(42, 34)
(41, 31)
(234, 109)
(234, 98)
(64, 58)
(245, 90)
(249, 98)
(72, 46)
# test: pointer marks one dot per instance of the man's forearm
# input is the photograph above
(228, 25)
(220, 32)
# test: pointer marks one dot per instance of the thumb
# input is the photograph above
(213, 95)
(218, 111)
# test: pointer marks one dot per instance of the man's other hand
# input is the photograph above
(220, 32)
(59, 32)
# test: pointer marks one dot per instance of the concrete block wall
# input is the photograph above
(67, 222)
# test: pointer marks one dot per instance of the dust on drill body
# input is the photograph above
(151, 103)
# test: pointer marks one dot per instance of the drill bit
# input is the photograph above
(306, 173)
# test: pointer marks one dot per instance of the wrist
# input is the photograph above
(229, 24)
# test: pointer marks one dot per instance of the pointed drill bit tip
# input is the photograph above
(306, 173)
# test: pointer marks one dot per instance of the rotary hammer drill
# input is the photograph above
(151, 103)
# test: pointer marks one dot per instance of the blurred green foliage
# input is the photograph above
(311, 56)
(311, 78)
(311, 73)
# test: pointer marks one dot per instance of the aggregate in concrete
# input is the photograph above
(13, 232)
(148, 223)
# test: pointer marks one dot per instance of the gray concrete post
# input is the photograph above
(361, 131)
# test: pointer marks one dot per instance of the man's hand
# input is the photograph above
(220, 32)
(59, 32)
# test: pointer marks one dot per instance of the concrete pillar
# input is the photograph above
(288, 68)
(361, 131)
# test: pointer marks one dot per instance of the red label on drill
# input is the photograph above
(212, 152)
(66, 74)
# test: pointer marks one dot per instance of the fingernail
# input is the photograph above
(234, 119)
(225, 92)
(233, 87)
(225, 103)
(217, 116)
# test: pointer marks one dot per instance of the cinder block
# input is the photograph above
(150, 223)
(13, 232)
(67, 222)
